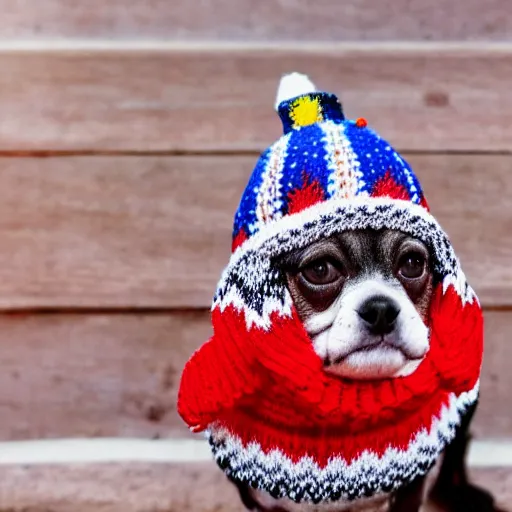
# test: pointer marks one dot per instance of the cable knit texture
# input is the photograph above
(274, 418)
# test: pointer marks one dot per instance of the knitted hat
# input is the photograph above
(274, 418)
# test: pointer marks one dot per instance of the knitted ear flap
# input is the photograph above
(238, 361)
(218, 374)
(456, 344)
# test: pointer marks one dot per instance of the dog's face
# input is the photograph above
(363, 297)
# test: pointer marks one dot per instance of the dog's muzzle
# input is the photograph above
(376, 333)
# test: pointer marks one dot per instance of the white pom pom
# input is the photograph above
(293, 85)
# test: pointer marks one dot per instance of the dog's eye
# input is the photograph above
(321, 272)
(412, 265)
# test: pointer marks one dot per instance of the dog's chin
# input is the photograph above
(382, 362)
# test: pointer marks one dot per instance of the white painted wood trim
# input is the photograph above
(495, 453)
(329, 47)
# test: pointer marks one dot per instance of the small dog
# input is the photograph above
(347, 343)
(364, 297)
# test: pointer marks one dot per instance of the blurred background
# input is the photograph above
(128, 130)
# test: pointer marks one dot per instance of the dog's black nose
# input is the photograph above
(379, 314)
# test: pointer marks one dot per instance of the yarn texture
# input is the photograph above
(274, 418)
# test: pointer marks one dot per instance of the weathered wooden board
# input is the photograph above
(118, 375)
(204, 98)
(155, 232)
(99, 375)
(255, 20)
(198, 487)
(494, 416)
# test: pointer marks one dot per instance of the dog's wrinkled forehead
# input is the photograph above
(367, 251)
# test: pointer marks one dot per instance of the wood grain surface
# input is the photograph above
(207, 98)
(197, 487)
(111, 375)
(326, 20)
(128, 130)
(154, 232)
(94, 375)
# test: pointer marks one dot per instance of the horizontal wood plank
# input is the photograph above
(155, 232)
(94, 376)
(100, 232)
(208, 99)
(200, 487)
(326, 20)
(118, 375)
(494, 416)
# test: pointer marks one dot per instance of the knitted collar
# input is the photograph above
(275, 420)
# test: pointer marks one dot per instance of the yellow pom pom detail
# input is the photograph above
(305, 111)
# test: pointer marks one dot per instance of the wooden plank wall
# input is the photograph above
(128, 130)
(254, 20)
